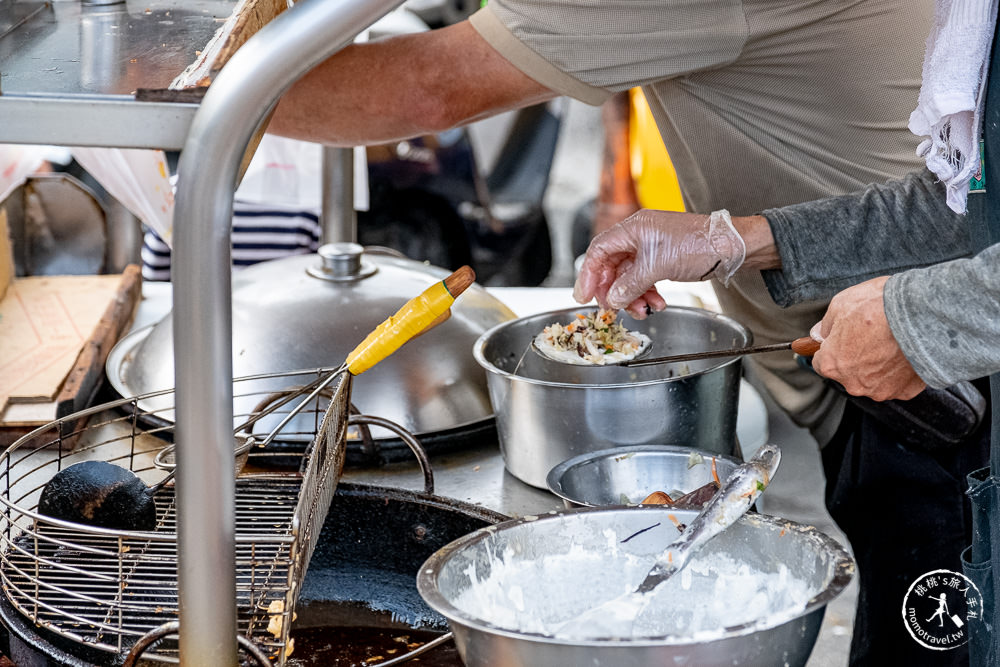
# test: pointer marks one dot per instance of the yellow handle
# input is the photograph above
(415, 316)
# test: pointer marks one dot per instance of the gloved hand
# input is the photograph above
(623, 263)
(858, 349)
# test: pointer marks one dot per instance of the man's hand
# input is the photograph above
(859, 350)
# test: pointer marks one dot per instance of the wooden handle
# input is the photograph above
(458, 281)
(806, 346)
(414, 317)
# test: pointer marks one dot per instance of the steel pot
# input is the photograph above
(547, 412)
(764, 543)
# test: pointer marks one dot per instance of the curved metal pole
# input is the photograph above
(235, 105)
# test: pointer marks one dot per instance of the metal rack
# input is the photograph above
(105, 589)
(213, 136)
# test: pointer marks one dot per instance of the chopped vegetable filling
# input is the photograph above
(594, 338)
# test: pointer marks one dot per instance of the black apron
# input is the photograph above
(982, 559)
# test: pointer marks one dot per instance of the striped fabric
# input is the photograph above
(259, 234)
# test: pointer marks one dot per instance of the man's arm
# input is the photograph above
(403, 86)
(831, 244)
(947, 317)
(937, 325)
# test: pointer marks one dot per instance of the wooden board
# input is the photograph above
(248, 17)
(55, 335)
(6, 254)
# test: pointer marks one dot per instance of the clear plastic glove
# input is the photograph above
(624, 263)
(858, 349)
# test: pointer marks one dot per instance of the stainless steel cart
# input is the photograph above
(42, 104)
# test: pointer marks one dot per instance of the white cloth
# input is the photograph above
(949, 109)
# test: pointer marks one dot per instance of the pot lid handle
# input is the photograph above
(341, 262)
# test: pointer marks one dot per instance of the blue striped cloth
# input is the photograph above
(259, 234)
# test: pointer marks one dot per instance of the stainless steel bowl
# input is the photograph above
(548, 412)
(763, 542)
(626, 475)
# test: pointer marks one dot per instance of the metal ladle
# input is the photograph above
(804, 346)
(615, 618)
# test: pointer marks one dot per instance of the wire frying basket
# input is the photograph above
(106, 589)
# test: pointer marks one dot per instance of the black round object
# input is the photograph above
(97, 493)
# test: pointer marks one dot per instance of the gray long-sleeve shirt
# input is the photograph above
(945, 316)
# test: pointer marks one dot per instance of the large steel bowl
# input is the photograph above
(626, 475)
(547, 411)
(764, 542)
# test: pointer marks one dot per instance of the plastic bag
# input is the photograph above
(289, 173)
(138, 178)
(16, 164)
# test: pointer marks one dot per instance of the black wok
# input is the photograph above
(362, 575)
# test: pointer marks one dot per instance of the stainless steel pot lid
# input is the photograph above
(310, 311)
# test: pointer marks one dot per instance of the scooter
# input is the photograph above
(432, 199)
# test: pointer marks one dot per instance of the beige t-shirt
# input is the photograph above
(761, 103)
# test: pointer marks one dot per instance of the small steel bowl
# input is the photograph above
(626, 475)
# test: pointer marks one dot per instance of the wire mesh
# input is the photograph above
(107, 588)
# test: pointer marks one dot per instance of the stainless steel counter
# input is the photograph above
(477, 475)
(67, 47)
(66, 60)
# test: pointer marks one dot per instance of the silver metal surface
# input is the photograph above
(341, 262)
(286, 318)
(626, 475)
(110, 121)
(71, 49)
(59, 226)
(234, 107)
(762, 541)
(104, 589)
(714, 354)
(15, 14)
(340, 223)
(66, 60)
(548, 411)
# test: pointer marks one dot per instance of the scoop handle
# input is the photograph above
(416, 315)
(805, 346)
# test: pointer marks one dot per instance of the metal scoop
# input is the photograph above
(615, 618)
(805, 346)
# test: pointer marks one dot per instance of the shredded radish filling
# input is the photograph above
(593, 338)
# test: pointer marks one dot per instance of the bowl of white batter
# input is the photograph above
(754, 595)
